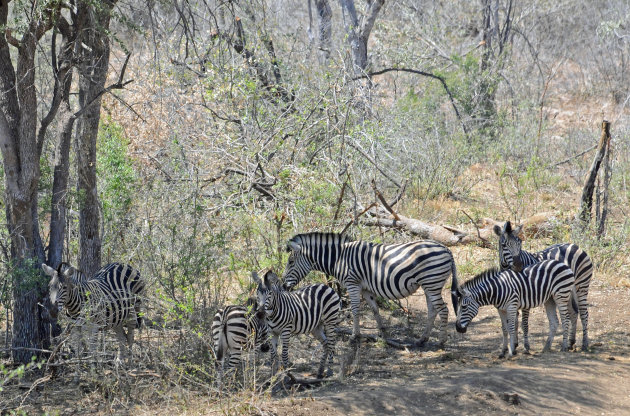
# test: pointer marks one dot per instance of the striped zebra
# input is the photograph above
(367, 270)
(511, 255)
(314, 309)
(236, 329)
(548, 282)
(111, 299)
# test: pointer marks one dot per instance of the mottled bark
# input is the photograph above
(92, 78)
(358, 30)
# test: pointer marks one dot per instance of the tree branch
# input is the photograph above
(424, 74)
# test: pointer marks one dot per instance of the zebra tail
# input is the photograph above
(454, 285)
(574, 298)
(221, 346)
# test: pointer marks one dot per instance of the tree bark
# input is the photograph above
(324, 12)
(92, 78)
(586, 202)
(358, 30)
(21, 154)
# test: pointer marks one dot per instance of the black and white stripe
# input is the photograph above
(111, 299)
(512, 256)
(236, 329)
(367, 270)
(549, 282)
(313, 309)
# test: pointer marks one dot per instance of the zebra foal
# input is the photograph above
(549, 282)
(313, 309)
(392, 271)
(111, 299)
(236, 329)
(512, 256)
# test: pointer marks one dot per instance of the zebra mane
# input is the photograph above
(482, 277)
(342, 238)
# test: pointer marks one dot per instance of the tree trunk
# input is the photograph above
(92, 78)
(586, 202)
(358, 31)
(324, 12)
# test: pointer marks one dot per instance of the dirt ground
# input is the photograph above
(468, 378)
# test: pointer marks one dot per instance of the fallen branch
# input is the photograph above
(375, 338)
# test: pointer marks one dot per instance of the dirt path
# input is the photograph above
(467, 378)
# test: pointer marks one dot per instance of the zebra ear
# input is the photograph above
(497, 230)
(293, 246)
(518, 231)
(270, 278)
(48, 270)
(256, 278)
(507, 228)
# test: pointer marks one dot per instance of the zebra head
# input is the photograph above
(267, 292)
(509, 246)
(468, 309)
(61, 283)
(258, 323)
(298, 265)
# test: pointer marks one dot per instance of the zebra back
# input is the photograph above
(238, 327)
(318, 251)
(107, 299)
(301, 310)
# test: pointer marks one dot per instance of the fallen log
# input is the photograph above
(541, 224)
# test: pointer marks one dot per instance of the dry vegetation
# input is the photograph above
(205, 173)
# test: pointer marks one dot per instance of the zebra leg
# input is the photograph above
(525, 324)
(504, 330)
(284, 338)
(550, 308)
(329, 332)
(371, 300)
(564, 305)
(512, 319)
(354, 292)
(583, 306)
(321, 336)
(573, 315)
(274, 354)
(122, 339)
(433, 306)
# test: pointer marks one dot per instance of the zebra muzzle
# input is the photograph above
(461, 329)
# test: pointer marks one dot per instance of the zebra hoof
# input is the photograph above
(585, 348)
(564, 348)
(527, 352)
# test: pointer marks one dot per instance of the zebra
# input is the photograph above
(314, 309)
(511, 255)
(548, 282)
(237, 328)
(392, 271)
(111, 299)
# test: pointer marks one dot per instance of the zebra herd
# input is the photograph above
(556, 277)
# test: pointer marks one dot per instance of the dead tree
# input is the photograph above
(586, 202)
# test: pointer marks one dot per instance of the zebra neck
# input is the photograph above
(324, 258)
(527, 258)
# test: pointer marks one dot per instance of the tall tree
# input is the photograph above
(21, 148)
(94, 58)
(358, 30)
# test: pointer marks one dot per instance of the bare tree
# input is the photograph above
(358, 30)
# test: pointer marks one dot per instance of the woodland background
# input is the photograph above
(193, 138)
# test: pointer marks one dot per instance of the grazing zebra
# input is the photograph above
(111, 299)
(314, 309)
(512, 256)
(367, 270)
(549, 282)
(237, 328)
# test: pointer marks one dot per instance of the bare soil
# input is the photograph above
(467, 377)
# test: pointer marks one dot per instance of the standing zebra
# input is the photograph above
(512, 256)
(549, 282)
(367, 270)
(314, 309)
(237, 328)
(111, 299)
